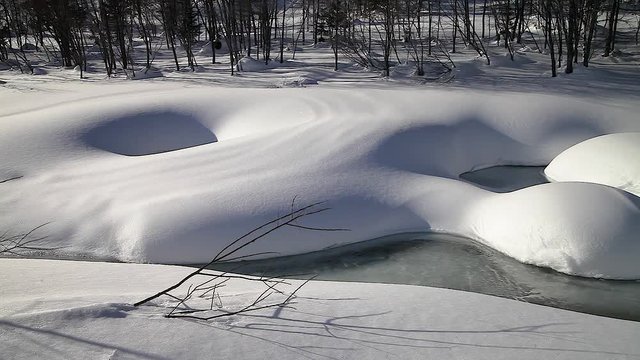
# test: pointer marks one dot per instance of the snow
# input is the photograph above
(609, 159)
(576, 228)
(383, 164)
(172, 168)
(247, 63)
(82, 310)
(147, 73)
(162, 132)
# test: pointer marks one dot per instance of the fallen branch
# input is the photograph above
(17, 244)
(209, 287)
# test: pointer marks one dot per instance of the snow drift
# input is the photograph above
(385, 161)
(612, 160)
(585, 229)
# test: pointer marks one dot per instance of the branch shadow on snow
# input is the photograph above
(309, 334)
(149, 133)
(58, 336)
(352, 333)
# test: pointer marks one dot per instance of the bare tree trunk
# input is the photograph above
(283, 31)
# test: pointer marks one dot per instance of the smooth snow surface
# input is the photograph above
(385, 161)
(79, 310)
(576, 228)
(612, 160)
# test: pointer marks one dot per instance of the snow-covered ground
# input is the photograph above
(170, 169)
(162, 173)
(77, 310)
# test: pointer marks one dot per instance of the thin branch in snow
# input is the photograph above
(274, 293)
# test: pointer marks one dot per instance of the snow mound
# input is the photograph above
(403, 70)
(612, 160)
(206, 50)
(39, 71)
(147, 73)
(298, 81)
(505, 60)
(248, 63)
(29, 47)
(150, 133)
(575, 228)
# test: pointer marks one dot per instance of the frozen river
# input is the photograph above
(453, 262)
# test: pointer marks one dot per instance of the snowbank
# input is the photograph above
(385, 161)
(247, 63)
(582, 229)
(78, 310)
(612, 160)
(147, 73)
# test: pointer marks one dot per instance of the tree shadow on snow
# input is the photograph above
(58, 336)
(352, 333)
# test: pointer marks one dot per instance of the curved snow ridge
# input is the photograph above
(581, 229)
(386, 162)
(612, 159)
(143, 124)
(92, 311)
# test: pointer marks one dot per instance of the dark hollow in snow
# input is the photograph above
(149, 133)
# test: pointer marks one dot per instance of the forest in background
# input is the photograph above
(367, 32)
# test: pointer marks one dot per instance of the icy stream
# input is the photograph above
(453, 262)
(506, 178)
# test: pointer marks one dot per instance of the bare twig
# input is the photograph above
(246, 240)
(16, 244)
(10, 179)
(209, 288)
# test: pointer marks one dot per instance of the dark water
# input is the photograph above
(506, 178)
(453, 262)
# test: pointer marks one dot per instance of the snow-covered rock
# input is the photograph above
(612, 160)
(247, 63)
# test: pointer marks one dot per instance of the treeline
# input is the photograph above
(373, 33)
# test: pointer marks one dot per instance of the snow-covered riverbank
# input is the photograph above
(155, 172)
(72, 310)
